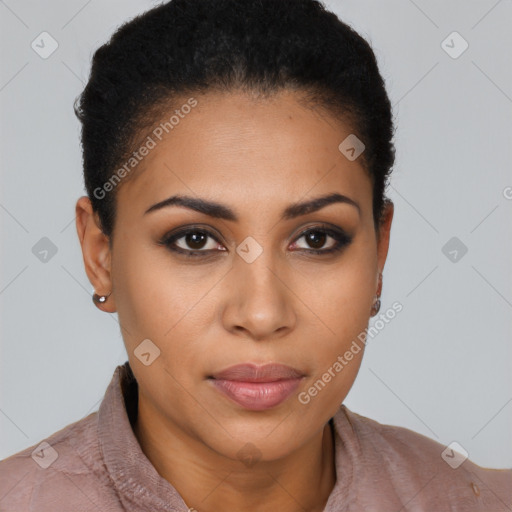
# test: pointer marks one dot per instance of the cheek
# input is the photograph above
(143, 293)
(342, 302)
(340, 296)
(158, 301)
(336, 365)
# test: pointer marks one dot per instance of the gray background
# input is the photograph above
(442, 367)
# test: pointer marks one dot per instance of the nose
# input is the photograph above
(258, 301)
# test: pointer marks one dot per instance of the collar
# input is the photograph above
(137, 483)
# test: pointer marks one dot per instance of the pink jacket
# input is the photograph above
(96, 464)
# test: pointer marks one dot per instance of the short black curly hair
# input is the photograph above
(186, 47)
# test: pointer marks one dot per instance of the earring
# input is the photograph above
(376, 303)
(375, 306)
(100, 299)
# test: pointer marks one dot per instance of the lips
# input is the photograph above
(255, 387)
(254, 373)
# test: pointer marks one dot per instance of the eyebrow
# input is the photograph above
(220, 211)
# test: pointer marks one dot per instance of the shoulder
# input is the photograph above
(413, 461)
(69, 461)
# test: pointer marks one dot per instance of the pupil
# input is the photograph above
(194, 240)
(317, 244)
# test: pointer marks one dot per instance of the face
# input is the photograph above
(255, 280)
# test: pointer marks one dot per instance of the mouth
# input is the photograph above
(257, 388)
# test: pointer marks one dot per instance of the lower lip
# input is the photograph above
(257, 396)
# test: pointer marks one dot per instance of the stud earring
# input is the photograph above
(100, 299)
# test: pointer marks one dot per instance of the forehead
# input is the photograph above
(245, 150)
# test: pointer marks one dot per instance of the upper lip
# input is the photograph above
(258, 373)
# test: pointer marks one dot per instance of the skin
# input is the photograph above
(210, 312)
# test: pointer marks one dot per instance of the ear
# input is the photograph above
(384, 234)
(95, 251)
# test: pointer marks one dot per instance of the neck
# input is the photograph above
(208, 482)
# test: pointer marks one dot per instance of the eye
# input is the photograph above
(317, 237)
(197, 242)
(191, 242)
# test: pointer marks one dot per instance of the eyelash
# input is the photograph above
(341, 238)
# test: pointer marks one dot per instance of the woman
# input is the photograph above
(236, 156)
